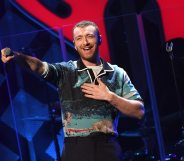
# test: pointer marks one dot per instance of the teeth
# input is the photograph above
(86, 48)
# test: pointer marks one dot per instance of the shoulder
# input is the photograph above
(116, 68)
(63, 65)
(119, 72)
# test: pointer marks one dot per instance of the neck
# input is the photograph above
(94, 62)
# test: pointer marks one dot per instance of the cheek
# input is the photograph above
(78, 44)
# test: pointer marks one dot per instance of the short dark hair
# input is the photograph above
(86, 23)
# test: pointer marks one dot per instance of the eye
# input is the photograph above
(90, 36)
(78, 38)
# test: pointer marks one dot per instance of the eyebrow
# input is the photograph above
(78, 36)
(91, 34)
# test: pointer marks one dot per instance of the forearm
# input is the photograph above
(132, 108)
(34, 64)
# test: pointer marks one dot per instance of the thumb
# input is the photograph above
(100, 82)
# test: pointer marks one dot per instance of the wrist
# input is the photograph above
(110, 96)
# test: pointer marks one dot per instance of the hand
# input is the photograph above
(4, 57)
(98, 92)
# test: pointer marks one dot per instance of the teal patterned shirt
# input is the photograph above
(83, 116)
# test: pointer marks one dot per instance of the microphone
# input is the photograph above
(8, 52)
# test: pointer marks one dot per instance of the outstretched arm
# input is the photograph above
(34, 64)
(132, 108)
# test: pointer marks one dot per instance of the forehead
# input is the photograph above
(84, 30)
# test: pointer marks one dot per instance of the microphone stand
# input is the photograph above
(52, 115)
(169, 49)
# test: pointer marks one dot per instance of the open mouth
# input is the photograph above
(86, 48)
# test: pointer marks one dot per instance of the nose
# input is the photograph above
(85, 41)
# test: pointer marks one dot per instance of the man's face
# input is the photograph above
(86, 42)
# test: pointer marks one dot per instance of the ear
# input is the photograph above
(74, 45)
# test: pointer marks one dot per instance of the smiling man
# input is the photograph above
(92, 94)
(87, 40)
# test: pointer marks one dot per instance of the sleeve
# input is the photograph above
(129, 91)
(53, 72)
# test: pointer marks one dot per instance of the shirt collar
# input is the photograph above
(106, 66)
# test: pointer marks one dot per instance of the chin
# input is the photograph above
(88, 56)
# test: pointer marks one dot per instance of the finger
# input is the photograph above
(89, 96)
(6, 59)
(100, 82)
(88, 85)
(87, 91)
(86, 88)
(9, 57)
(3, 59)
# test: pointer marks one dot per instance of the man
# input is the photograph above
(92, 93)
